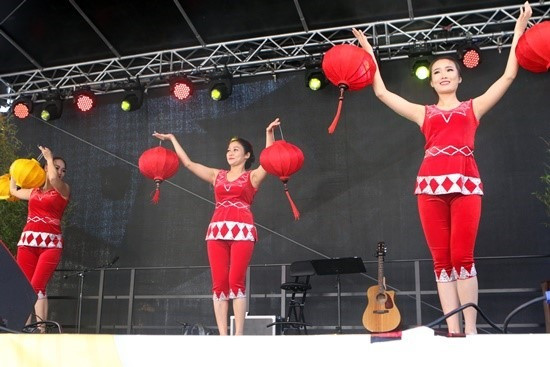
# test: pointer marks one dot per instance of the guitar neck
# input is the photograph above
(381, 285)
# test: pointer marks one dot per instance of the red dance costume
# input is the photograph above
(39, 249)
(449, 190)
(231, 235)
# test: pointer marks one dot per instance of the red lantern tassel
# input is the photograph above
(156, 194)
(292, 205)
(332, 126)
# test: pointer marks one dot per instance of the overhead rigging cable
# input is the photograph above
(178, 186)
(211, 202)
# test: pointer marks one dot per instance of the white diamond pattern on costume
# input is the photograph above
(464, 273)
(222, 297)
(227, 230)
(449, 150)
(433, 110)
(240, 294)
(45, 220)
(40, 239)
(454, 274)
(235, 204)
(444, 277)
(448, 184)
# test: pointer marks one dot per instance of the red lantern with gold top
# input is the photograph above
(347, 67)
(283, 159)
(158, 164)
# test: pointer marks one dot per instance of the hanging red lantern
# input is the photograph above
(347, 67)
(283, 159)
(158, 164)
(533, 48)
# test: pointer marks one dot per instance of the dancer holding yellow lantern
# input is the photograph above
(41, 243)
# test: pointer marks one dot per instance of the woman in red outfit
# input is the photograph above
(41, 243)
(231, 234)
(448, 186)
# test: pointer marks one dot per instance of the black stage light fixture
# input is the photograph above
(52, 108)
(221, 87)
(469, 55)
(315, 77)
(420, 56)
(84, 99)
(181, 87)
(132, 99)
(22, 107)
(421, 68)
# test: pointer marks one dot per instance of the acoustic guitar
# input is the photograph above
(381, 314)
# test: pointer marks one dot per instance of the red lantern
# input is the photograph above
(533, 48)
(283, 159)
(158, 164)
(347, 67)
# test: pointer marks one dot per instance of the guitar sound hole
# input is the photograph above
(381, 298)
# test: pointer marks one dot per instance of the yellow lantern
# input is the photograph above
(5, 188)
(28, 173)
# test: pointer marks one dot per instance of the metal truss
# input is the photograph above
(490, 28)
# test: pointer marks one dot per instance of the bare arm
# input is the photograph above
(57, 183)
(207, 174)
(487, 100)
(259, 174)
(398, 104)
(23, 194)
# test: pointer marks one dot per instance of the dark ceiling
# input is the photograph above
(37, 34)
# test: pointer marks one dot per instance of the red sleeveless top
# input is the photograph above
(43, 228)
(232, 218)
(449, 165)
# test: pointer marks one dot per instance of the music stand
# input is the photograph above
(81, 274)
(337, 266)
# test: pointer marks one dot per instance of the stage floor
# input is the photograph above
(417, 346)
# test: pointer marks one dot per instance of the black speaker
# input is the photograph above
(17, 298)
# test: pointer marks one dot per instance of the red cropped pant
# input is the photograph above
(450, 223)
(38, 265)
(228, 263)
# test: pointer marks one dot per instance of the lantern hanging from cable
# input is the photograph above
(158, 164)
(533, 48)
(347, 67)
(28, 173)
(283, 159)
(5, 188)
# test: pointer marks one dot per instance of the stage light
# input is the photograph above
(181, 88)
(132, 100)
(420, 56)
(421, 69)
(84, 100)
(470, 55)
(221, 88)
(22, 107)
(52, 108)
(315, 78)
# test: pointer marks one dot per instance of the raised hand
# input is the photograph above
(163, 136)
(362, 40)
(272, 125)
(46, 152)
(524, 15)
